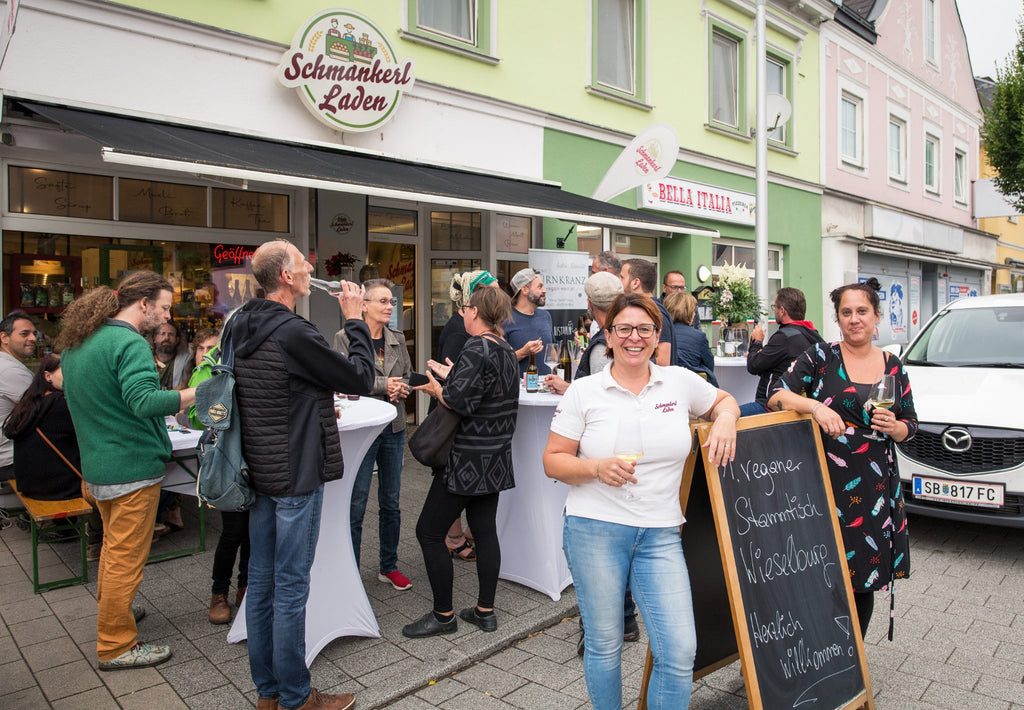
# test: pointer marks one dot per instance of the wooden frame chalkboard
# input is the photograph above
(783, 563)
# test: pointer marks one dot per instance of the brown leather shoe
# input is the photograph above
(220, 611)
(239, 596)
(323, 701)
(266, 704)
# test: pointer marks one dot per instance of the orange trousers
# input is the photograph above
(127, 536)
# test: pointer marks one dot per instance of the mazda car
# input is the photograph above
(966, 369)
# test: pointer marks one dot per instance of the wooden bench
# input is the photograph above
(42, 510)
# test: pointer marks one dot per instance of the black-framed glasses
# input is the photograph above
(672, 287)
(382, 301)
(644, 330)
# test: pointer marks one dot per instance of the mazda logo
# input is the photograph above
(956, 440)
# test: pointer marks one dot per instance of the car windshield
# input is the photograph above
(991, 336)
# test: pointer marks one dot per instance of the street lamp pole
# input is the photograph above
(761, 161)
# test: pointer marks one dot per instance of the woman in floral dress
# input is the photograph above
(832, 384)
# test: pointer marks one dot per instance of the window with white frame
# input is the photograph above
(617, 45)
(726, 95)
(931, 33)
(932, 155)
(897, 149)
(777, 71)
(851, 128)
(464, 24)
(738, 252)
(960, 176)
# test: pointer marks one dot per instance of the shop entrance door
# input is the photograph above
(396, 262)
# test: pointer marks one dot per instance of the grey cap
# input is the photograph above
(602, 289)
(523, 277)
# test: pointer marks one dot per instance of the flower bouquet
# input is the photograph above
(341, 260)
(735, 301)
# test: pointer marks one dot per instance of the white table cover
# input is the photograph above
(529, 518)
(337, 604)
(733, 377)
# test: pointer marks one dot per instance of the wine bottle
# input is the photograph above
(532, 375)
(248, 291)
(565, 362)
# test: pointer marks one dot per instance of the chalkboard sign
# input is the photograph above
(784, 566)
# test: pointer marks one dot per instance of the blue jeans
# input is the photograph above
(283, 531)
(602, 558)
(751, 409)
(387, 450)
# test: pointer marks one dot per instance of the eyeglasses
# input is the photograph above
(670, 287)
(382, 301)
(624, 330)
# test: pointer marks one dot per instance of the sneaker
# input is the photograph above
(325, 701)
(486, 623)
(396, 579)
(141, 655)
(630, 630)
(92, 551)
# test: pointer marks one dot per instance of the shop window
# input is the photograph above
(727, 80)
(241, 209)
(459, 24)
(626, 246)
(589, 239)
(441, 307)
(161, 202)
(513, 234)
(743, 253)
(60, 194)
(617, 42)
(455, 231)
(382, 220)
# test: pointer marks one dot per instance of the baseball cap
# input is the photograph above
(523, 277)
(602, 289)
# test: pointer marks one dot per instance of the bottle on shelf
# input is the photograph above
(565, 362)
(248, 291)
(67, 294)
(532, 375)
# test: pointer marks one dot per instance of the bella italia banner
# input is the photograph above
(345, 71)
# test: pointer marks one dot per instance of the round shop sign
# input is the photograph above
(341, 223)
(345, 71)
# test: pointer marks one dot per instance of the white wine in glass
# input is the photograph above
(551, 357)
(629, 448)
(883, 393)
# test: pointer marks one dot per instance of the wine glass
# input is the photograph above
(551, 357)
(629, 447)
(883, 396)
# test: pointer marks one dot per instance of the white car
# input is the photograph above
(966, 371)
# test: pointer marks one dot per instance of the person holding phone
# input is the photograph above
(392, 368)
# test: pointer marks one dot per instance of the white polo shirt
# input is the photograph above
(590, 412)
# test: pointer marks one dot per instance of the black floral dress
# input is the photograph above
(861, 464)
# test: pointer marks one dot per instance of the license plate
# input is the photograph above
(987, 495)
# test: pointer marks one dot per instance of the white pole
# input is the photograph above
(761, 167)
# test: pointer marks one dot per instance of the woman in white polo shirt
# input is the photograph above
(615, 533)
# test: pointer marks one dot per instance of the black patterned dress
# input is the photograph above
(861, 464)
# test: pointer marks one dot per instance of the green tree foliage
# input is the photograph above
(1003, 128)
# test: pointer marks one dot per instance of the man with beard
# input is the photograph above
(170, 363)
(530, 329)
(118, 409)
(17, 344)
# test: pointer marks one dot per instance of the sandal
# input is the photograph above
(465, 547)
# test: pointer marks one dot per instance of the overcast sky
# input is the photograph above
(991, 29)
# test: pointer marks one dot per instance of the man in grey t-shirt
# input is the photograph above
(17, 344)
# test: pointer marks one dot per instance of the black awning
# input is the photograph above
(206, 152)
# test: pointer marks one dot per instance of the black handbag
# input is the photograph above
(431, 443)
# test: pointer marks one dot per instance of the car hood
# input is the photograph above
(979, 396)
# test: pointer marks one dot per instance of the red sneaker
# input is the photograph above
(396, 579)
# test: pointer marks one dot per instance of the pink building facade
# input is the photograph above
(901, 119)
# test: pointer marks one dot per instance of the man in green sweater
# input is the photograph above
(118, 408)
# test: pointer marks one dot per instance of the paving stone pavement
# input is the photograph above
(959, 640)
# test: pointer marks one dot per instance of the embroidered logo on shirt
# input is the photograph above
(666, 407)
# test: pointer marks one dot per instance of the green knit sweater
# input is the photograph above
(112, 389)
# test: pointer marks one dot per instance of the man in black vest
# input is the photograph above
(793, 337)
(285, 378)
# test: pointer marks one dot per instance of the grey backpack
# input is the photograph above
(223, 481)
